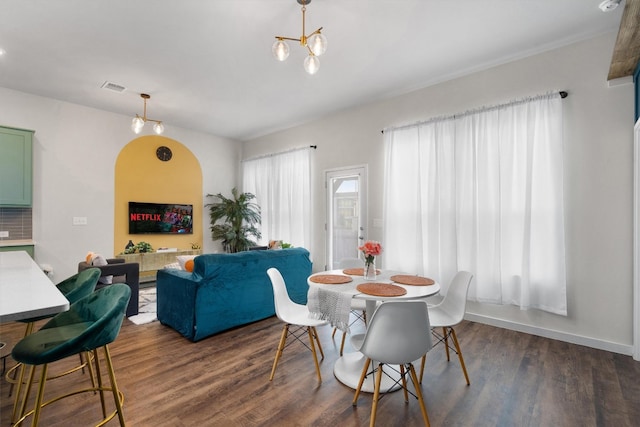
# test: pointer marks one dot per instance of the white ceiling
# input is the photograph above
(207, 64)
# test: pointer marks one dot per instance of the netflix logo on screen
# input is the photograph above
(145, 217)
(160, 218)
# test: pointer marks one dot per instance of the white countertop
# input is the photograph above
(25, 291)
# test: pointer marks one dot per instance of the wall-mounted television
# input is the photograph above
(160, 218)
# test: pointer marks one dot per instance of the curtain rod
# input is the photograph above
(280, 152)
(563, 94)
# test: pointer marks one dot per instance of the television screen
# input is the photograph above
(160, 218)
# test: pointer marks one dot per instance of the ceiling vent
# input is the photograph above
(113, 87)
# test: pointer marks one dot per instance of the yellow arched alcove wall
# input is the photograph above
(141, 177)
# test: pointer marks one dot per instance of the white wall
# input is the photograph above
(598, 126)
(74, 155)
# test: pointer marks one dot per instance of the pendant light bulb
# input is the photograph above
(137, 124)
(311, 64)
(280, 50)
(158, 128)
(317, 43)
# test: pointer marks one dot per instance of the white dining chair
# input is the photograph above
(398, 334)
(358, 306)
(296, 316)
(449, 313)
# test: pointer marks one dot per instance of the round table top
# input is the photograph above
(412, 291)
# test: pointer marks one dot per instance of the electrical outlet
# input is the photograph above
(79, 220)
(4, 234)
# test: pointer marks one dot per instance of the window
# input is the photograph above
(281, 184)
(483, 192)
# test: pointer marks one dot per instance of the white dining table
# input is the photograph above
(25, 290)
(348, 367)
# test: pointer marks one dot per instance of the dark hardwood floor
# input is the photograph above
(516, 380)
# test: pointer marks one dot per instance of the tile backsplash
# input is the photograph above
(18, 222)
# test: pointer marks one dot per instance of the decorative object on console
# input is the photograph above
(316, 44)
(370, 249)
(140, 247)
(240, 216)
(138, 122)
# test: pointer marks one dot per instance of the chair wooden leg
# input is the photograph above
(315, 334)
(283, 340)
(464, 368)
(114, 386)
(333, 334)
(404, 384)
(424, 359)
(362, 376)
(418, 388)
(312, 338)
(446, 342)
(376, 396)
(344, 335)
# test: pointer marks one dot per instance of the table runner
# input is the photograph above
(329, 305)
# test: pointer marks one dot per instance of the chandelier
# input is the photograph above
(316, 44)
(138, 122)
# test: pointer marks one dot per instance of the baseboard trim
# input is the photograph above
(549, 333)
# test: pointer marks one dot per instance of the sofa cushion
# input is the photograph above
(98, 260)
(182, 260)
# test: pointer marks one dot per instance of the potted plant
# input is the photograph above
(239, 217)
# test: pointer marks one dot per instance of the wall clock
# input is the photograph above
(164, 153)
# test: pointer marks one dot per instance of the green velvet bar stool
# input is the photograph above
(90, 324)
(73, 288)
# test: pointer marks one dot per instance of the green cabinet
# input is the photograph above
(27, 248)
(16, 147)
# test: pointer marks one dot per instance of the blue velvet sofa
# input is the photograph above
(228, 290)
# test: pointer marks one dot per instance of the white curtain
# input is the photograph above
(483, 192)
(281, 184)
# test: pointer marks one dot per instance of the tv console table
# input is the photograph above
(151, 262)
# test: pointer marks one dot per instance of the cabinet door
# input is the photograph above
(15, 167)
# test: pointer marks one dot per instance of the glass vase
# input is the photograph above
(370, 270)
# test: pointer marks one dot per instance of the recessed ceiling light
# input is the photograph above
(609, 5)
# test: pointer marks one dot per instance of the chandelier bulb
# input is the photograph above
(137, 124)
(311, 64)
(280, 50)
(158, 128)
(317, 43)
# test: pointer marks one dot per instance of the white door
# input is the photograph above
(346, 213)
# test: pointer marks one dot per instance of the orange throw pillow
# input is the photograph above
(189, 265)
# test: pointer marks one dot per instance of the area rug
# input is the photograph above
(147, 307)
